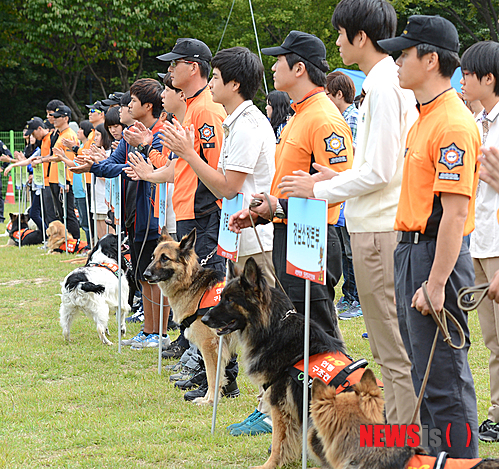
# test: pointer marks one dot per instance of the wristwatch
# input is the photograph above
(279, 212)
(141, 147)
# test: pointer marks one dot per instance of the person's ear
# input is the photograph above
(300, 69)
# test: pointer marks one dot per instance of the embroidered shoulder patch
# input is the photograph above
(206, 132)
(451, 156)
(335, 143)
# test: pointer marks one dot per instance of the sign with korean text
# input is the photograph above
(38, 176)
(17, 177)
(107, 192)
(61, 174)
(228, 241)
(307, 239)
(116, 199)
(163, 194)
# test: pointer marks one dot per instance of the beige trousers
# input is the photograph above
(488, 315)
(374, 274)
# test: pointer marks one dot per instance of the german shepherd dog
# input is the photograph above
(18, 230)
(336, 426)
(175, 268)
(271, 334)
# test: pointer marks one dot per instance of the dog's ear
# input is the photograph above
(319, 389)
(251, 273)
(234, 271)
(12, 216)
(165, 236)
(188, 241)
(367, 383)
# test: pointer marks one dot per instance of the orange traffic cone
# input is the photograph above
(9, 196)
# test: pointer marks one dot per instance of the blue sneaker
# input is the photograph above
(151, 341)
(135, 340)
(245, 421)
(365, 336)
(342, 305)
(256, 424)
(354, 311)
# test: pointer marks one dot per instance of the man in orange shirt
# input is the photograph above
(316, 133)
(436, 210)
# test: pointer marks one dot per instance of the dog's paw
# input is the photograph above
(202, 401)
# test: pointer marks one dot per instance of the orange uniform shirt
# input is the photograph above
(70, 134)
(45, 152)
(317, 133)
(192, 199)
(441, 156)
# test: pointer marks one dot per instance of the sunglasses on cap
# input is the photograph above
(91, 111)
(174, 63)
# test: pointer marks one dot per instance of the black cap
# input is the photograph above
(113, 99)
(62, 111)
(125, 99)
(162, 76)
(97, 105)
(187, 47)
(307, 46)
(33, 124)
(423, 29)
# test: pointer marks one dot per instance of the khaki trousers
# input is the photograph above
(488, 314)
(374, 274)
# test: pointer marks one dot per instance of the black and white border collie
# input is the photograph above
(93, 289)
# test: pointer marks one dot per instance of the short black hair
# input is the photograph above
(167, 81)
(106, 137)
(242, 66)
(448, 60)
(377, 18)
(148, 90)
(316, 75)
(87, 127)
(339, 81)
(54, 104)
(481, 59)
(125, 99)
(204, 67)
(113, 118)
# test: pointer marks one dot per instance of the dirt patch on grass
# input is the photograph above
(34, 281)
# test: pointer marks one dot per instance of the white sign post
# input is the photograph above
(115, 202)
(306, 258)
(18, 185)
(228, 247)
(163, 197)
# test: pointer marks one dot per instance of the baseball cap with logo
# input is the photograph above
(187, 47)
(97, 105)
(62, 111)
(307, 46)
(33, 124)
(424, 29)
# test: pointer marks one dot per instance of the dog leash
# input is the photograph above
(479, 293)
(441, 321)
(267, 263)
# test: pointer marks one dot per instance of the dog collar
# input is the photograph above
(289, 312)
(106, 265)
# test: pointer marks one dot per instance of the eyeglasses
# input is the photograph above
(174, 63)
(91, 111)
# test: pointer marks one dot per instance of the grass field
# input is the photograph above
(84, 405)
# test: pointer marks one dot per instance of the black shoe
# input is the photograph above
(488, 431)
(231, 391)
(173, 351)
(196, 380)
(172, 326)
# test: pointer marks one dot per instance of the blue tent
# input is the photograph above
(358, 78)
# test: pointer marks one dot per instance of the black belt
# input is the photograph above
(413, 237)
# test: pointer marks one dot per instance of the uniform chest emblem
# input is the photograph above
(451, 156)
(206, 132)
(335, 143)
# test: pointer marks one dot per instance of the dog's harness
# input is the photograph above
(21, 234)
(74, 246)
(210, 298)
(421, 461)
(333, 368)
(106, 265)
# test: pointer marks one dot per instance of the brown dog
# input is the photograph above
(56, 238)
(337, 419)
(184, 282)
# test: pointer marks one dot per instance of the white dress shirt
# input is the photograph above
(484, 240)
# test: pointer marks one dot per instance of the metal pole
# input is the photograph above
(219, 363)
(19, 219)
(65, 203)
(160, 346)
(118, 228)
(43, 215)
(258, 44)
(87, 206)
(95, 210)
(306, 351)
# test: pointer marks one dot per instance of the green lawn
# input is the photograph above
(84, 405)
